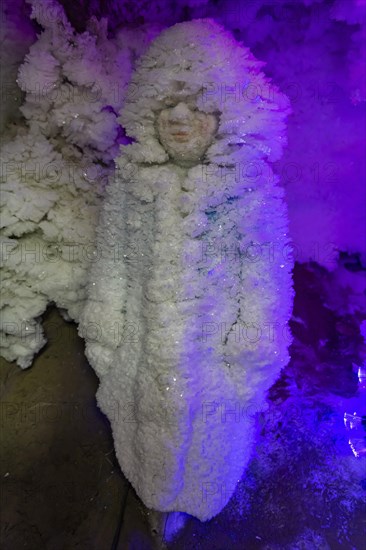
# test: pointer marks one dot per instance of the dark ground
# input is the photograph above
(62, 488)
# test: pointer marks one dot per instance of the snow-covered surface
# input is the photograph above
(191, 292)
(54, 168)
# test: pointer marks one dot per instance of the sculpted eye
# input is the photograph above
(169, 102)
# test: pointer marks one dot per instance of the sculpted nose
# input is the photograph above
(180, 112)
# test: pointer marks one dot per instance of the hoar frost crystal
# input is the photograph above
(190, 294)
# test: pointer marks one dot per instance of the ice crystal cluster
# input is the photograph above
(189, 299)
(54, 170)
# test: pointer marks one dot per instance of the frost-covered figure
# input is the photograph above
(191, 291)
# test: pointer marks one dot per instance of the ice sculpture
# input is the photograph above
(190, 291)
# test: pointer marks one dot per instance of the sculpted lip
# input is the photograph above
(180, 136)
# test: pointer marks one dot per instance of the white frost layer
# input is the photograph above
(54, 171)
(188, 303)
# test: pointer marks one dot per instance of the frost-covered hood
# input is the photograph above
(210, 67)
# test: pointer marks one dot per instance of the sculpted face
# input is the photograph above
(185, 133)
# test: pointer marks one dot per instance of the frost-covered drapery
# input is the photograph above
(190, 292)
